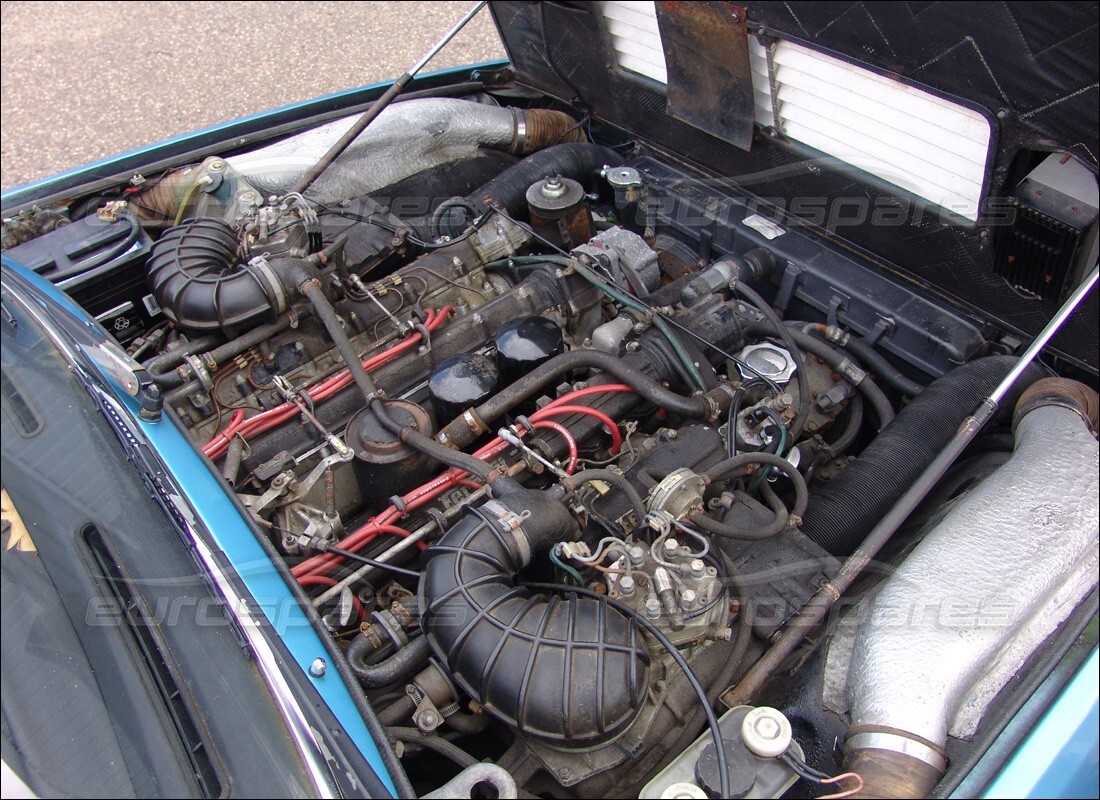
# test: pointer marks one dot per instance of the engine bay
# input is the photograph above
(560, 437)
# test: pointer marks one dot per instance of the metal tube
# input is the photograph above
(446, 38)
(386, 555)
(815, 611)
(379, 105)
(398, 548)
(1047, 334)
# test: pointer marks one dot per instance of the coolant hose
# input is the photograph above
(877, 363)
(437, 744)
(234, 347)
(576, 160)
(840, 363)
(805, 401)
(462, 431)
(570, 671)
(880, 404)
(1020, 552)
(402, 665)
(739, 465)
(840, 514)
(162, 368)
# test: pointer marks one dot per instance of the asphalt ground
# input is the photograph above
(85, 80)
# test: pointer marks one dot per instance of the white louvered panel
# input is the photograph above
(761, 87)
(926, 145)
(635, 37)
(933, 148)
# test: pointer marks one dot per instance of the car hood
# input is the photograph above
(1029, 70)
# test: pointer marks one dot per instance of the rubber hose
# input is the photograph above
(576, 160)
(835, 360)
(840, 514)
(874, 361)
(437, 744)
(196, 279)
(410, 436)
(728, 529)
(466, 724)
(402, 665)
(723, 469)
(162, 368)
(851, 430)
(234, 347)
(805, 401)
(880, 403)
(616, 480)
(458, 431)
(734, 467)
(443, 210)
(571, 671)
(400, 710)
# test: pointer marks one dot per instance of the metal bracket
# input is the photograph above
(426, 716)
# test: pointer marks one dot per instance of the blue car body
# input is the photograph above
(1052, 750)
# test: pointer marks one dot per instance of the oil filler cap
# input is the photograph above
(766, 732)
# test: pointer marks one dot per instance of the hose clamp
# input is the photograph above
(198, 369)
(474, 422)
(511, 523)
(519, 131)
(264, 272)
(898, 743)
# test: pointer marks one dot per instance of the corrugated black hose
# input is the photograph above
(841, 513)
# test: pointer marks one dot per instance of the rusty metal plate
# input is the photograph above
(707, 55)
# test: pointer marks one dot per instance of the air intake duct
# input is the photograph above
(196, 279)
(567, 670)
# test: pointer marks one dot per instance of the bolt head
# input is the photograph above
(318, 668)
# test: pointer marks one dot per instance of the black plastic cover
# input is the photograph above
(461, 382)
(101, 265)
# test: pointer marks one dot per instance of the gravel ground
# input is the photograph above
(85, 80)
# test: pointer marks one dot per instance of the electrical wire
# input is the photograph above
(428, 492)
(566, 260)
(805, 771)
(555, 557)
(274, 417)
(350, 556)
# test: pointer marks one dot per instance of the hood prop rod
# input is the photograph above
(380, 105)
(816, 610)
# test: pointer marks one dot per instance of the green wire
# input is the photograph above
(764, 473)
(568, 570)
(658, 320)
(625, 299)
(187, 195)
